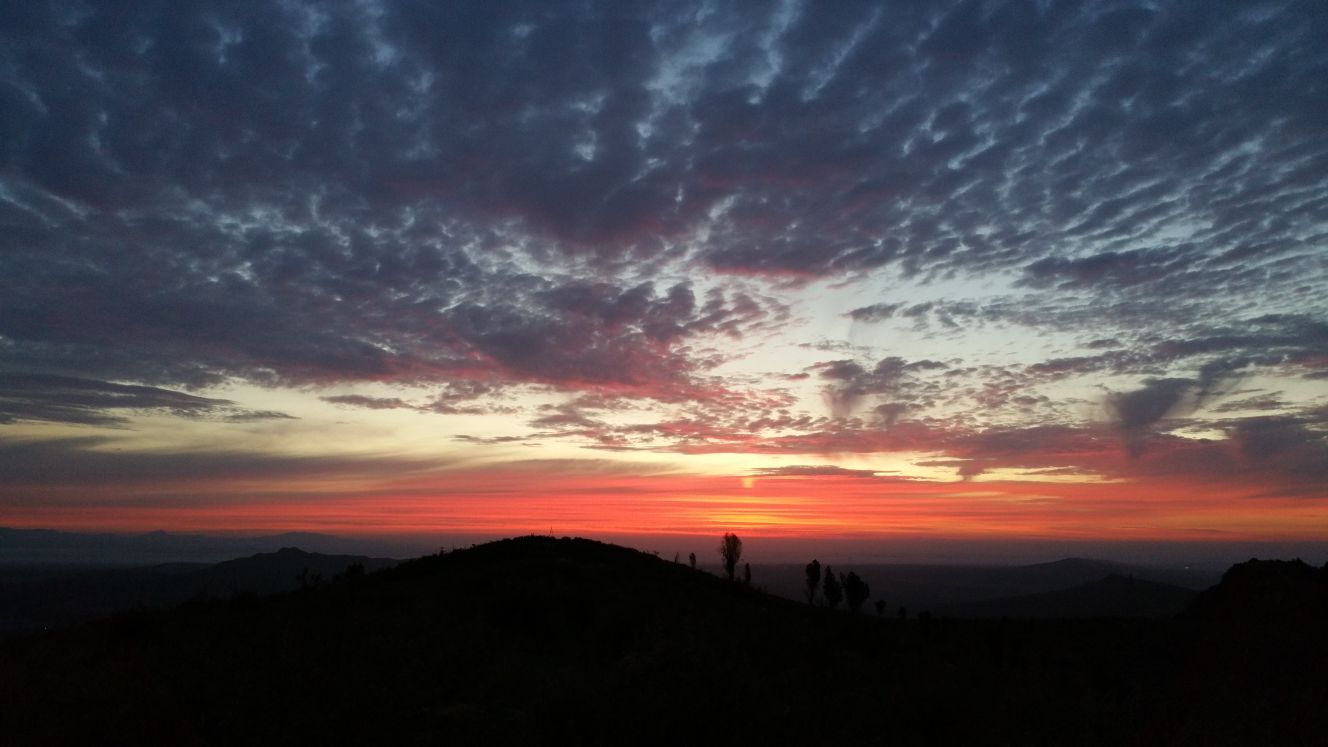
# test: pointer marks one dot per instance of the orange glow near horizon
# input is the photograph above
(508, 503)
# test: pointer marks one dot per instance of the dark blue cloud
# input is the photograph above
(79, 461)
(66, 399)
(900, 381)
(378, 191)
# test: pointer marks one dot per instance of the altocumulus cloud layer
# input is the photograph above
(603, 199)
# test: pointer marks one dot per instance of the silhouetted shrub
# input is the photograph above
(691, 558)
(832, 589)
(813, 580)
(856, 592)
(747, 573)
(730, 552)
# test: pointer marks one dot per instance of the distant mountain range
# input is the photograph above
(49, 547)
(36, 599)
(946, 588)
(1112, 596)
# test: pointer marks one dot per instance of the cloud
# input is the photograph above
(1140, 408)
(848, 383)
(599, 337)
(1136, 412)
(90, 462)
(816, 470)
(1113, 268)
(371, 403)
(489, 440)
(318, 215)
(875, 312)
(67, 399)
(248, 416)
(1295, 446)
(1264, 402)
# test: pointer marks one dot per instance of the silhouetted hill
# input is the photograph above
(1262, 627)
(536, 640)
(283, 570)
(1274, 591)
(36, 598)
(1112, 596)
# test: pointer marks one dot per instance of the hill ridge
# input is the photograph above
(537, 640)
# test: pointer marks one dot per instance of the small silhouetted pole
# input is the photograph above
(813, 580)
(730, 551)
(691, 558)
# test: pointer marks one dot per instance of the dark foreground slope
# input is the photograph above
(1264, 634)
(537, 640)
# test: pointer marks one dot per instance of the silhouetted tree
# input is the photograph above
(880, 608)
(675, 556)
(730, 551)
(813, 580)
(747, 573)
(832, 589)
(691, 558)
(856, 592)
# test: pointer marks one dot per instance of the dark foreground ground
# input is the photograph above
(538, 640)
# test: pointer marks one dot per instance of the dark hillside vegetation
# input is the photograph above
(47, 598)
(540, 640)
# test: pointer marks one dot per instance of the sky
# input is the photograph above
(887, 274)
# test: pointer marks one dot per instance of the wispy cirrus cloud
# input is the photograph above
(817, 470)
